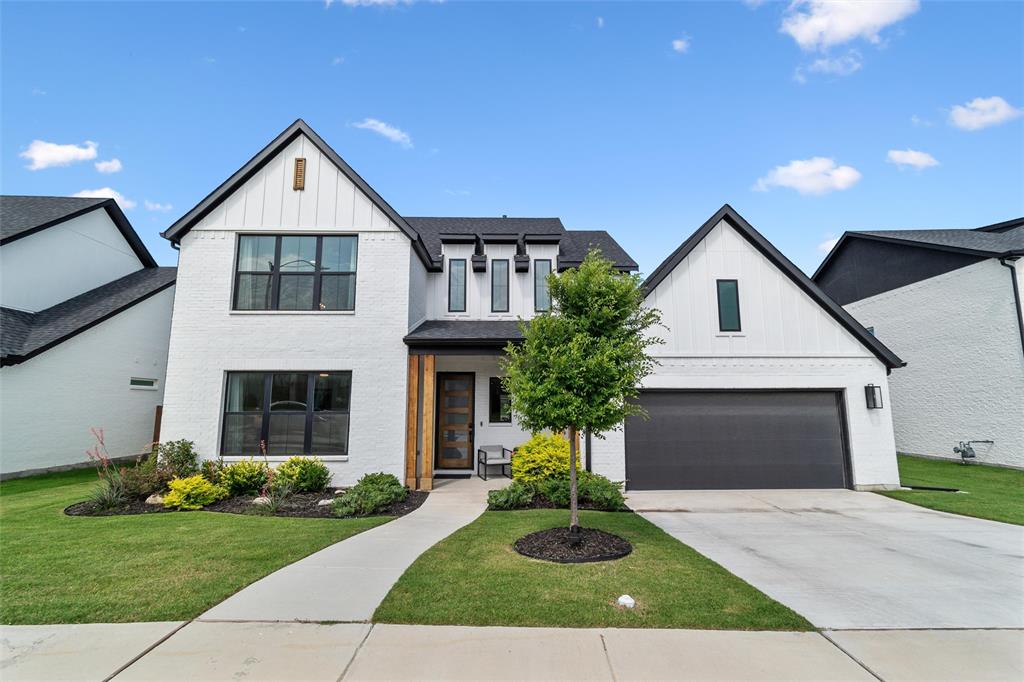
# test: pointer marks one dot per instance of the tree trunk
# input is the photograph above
(574, 513)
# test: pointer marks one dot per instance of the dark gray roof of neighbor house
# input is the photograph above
(573, 244)
(24, 335)
(464, 332)
(21, 216)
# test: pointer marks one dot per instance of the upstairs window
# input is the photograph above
(541, 297)
(728, 305)
(457, 285)
(300, 272)
(499, 286)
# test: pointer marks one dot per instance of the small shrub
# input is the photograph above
(145, 478)
(517, 495)
(245, 478)
(179, 458)
(306, 474)
(601, 493)
(211, 469)
(556, 490)
(372, 494)
(277, 490)
(193, 492)
(543, 456)
(110, 492)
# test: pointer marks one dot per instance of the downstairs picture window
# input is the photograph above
(294, 413)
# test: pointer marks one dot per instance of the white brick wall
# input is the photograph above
(208, 339)
(964, 377)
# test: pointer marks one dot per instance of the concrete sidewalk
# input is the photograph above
(360, 651)
(347, 581)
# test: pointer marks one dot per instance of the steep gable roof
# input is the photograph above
(24, 335)
(185, 223)
(728, 214)
(21, 216)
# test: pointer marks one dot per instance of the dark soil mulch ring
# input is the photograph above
(302, 505)
(553, 545)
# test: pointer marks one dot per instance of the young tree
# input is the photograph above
(579, 365)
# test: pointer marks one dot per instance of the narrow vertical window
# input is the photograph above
(541, 297)
(457, 285)
(499, 403)
(499, 286)
(728, 305)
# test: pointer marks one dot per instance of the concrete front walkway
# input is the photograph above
(347, 581)
(360, 651)
(852, 560)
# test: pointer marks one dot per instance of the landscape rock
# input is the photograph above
(324, 503)
(155, 498)
(627, 601)
(262, 501)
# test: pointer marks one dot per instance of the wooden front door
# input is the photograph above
(455, 420)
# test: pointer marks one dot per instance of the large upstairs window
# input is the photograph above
(295, 272)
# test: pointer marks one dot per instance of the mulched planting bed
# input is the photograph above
(299, 505)
(541, 502)
(553, 545)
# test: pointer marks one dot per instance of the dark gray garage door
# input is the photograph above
(717, 440)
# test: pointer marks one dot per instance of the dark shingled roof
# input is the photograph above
(23, 335)
(21, 216)
(464, 333)
(994, 243)
(573, 244)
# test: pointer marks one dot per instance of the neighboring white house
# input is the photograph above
(762, 381)
(84, 325)
(949, 302)
(312, 317)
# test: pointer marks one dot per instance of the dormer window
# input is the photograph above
(499, 286)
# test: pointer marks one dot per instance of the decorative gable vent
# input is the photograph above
(300, 174)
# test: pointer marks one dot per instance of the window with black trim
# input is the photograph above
(296, 272)
(728, 305)
(457, 285)
(499, 286)
(541, 296)
(292, 412)
(499, 403)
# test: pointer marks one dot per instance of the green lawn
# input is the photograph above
(992, 492)
(474, 577)
(62, 569)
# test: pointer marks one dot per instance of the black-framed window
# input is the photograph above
(296, 272)
(457, 285)
(292, 412)
(728, 305)
(541, 296)
(499, 286)
(499, 403)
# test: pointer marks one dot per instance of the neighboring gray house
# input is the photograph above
(949, 302)
(85, 317)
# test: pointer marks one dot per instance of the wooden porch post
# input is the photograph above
(427, 418)
(412, 420)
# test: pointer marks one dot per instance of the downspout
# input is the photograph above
(1016, 295)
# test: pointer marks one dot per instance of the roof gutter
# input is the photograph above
(1016, 294)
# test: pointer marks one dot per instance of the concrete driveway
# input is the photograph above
(850, 560)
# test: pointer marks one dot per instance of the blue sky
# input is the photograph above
(641, 119)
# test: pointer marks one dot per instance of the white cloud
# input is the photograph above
(818, 175)
(753, 4)
(837, 66)
(457, 192)
(49, 154)
(982, 112)
(369, 3)
(910, 157)
(107, 193)
(828, 244)
(112, 166)
(38, 92)
(337, 61)
(156, 206)
(600, 22)
(916, 121)
(387, 130)
(681, 45)
(820, 24)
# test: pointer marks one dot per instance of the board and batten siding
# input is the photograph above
(63, 261)
(209, 339)
(787, 341)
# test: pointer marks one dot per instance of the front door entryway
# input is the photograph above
(455, 420)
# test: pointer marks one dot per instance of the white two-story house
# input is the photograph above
(311, 317)
(85, 317)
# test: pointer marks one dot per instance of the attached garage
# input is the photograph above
(717, 440)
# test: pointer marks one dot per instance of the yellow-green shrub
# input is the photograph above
(194, 492)
(245, 477)
(542, 457)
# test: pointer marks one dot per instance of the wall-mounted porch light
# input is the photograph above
(873, 395)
